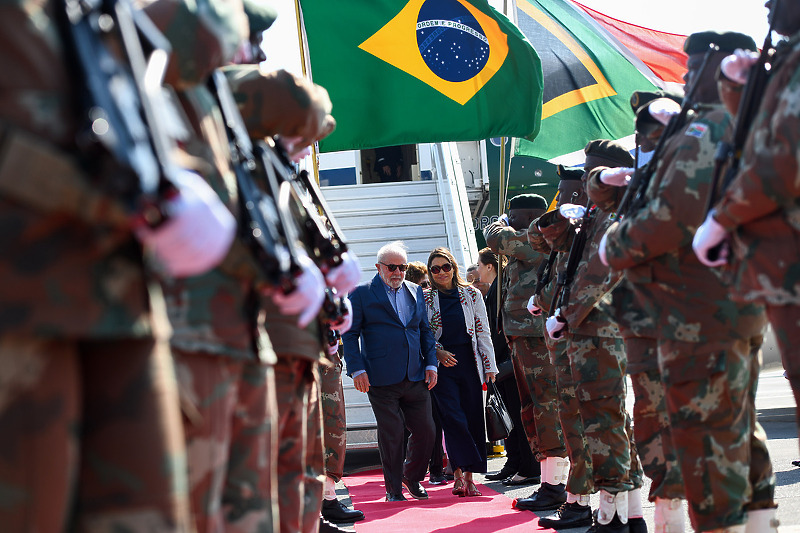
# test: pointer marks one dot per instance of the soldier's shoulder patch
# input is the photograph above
(697, 130)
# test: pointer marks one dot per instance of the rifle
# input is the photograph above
(268, 229)
(321, 233)
(544, 272)
(121, 59)
(635, 193)
(730, 153)
(566, 277)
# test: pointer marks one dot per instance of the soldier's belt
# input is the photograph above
(40, 176)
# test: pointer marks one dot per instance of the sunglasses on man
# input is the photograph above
(393, 267)
(424, 284)
(447, 267)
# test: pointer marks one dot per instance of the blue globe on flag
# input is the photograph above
(451, 42)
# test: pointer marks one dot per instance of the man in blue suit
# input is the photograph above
(395, 364)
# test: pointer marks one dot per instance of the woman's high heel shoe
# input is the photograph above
(472, 490)
(460, 487)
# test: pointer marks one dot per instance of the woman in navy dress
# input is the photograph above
(458, 319)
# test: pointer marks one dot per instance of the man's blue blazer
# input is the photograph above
(388, 350)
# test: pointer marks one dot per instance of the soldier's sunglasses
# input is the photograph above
(447, 267)
(393, 267)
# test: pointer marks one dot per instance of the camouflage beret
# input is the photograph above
(698, 43)
(260, 16)
(569, 173)
(608, 151)
(527, 201)
(640, 98)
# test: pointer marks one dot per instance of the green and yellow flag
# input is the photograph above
(589, 78)
(406, 72)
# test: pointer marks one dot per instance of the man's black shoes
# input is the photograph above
(415, 489)
(437, 479)
(546, 498)
(338, 513)
(518, 480)
(568, 516)
(391, 497)
(503, 473)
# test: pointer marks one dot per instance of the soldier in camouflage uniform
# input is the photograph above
(707, 344)
(549, 234)
(297, 340)
(89, 412)
(533, 370)
(334, 438)
(634, 313)
(223, 356)
(597, 359)
(759, 213)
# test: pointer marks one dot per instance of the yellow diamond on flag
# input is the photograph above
(448, 44)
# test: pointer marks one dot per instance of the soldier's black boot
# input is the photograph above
(545, 498)
(569, 515)
(615, 526)
(338, 513)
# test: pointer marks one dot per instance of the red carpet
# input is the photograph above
(441, 512)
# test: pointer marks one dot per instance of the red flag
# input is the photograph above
(661, 51)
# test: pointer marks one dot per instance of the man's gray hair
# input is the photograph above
(396, 247)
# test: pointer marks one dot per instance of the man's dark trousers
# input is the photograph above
(395, 406)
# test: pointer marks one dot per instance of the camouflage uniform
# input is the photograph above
(762, 208)
(89, 415)
(333, 418)
(581, 477)
(300, 455)
(634, 312)
(223, 356)
(533, 370)
(597, 360)
(706, 342)
(297, 108)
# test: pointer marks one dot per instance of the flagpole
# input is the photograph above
(306, 69)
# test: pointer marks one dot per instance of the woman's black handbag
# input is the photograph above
(498, 421)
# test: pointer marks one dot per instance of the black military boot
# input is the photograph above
(568, 516)
(615, 526)
(338, 513)
(637, 525)
(546, 498)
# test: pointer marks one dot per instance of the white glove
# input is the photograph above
(663, 109)
(555, 326)
(347, 319)
(617, 177)
(503, 219)
(709, 235)
(346, 276)
(737, 66)
(601, 249)
(198, 232)
(532, 307)
(572, 211)
(308, 295)
(333, 348)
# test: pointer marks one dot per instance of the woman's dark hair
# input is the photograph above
(416, 271)
(446, 254)
(488, 257)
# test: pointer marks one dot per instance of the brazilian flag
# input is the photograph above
(407, 72)
(589, 79)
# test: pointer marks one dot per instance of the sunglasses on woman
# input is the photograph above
(393, 267)
(424, 284)
(447, 267)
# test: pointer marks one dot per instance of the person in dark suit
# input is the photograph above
(391, 355)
